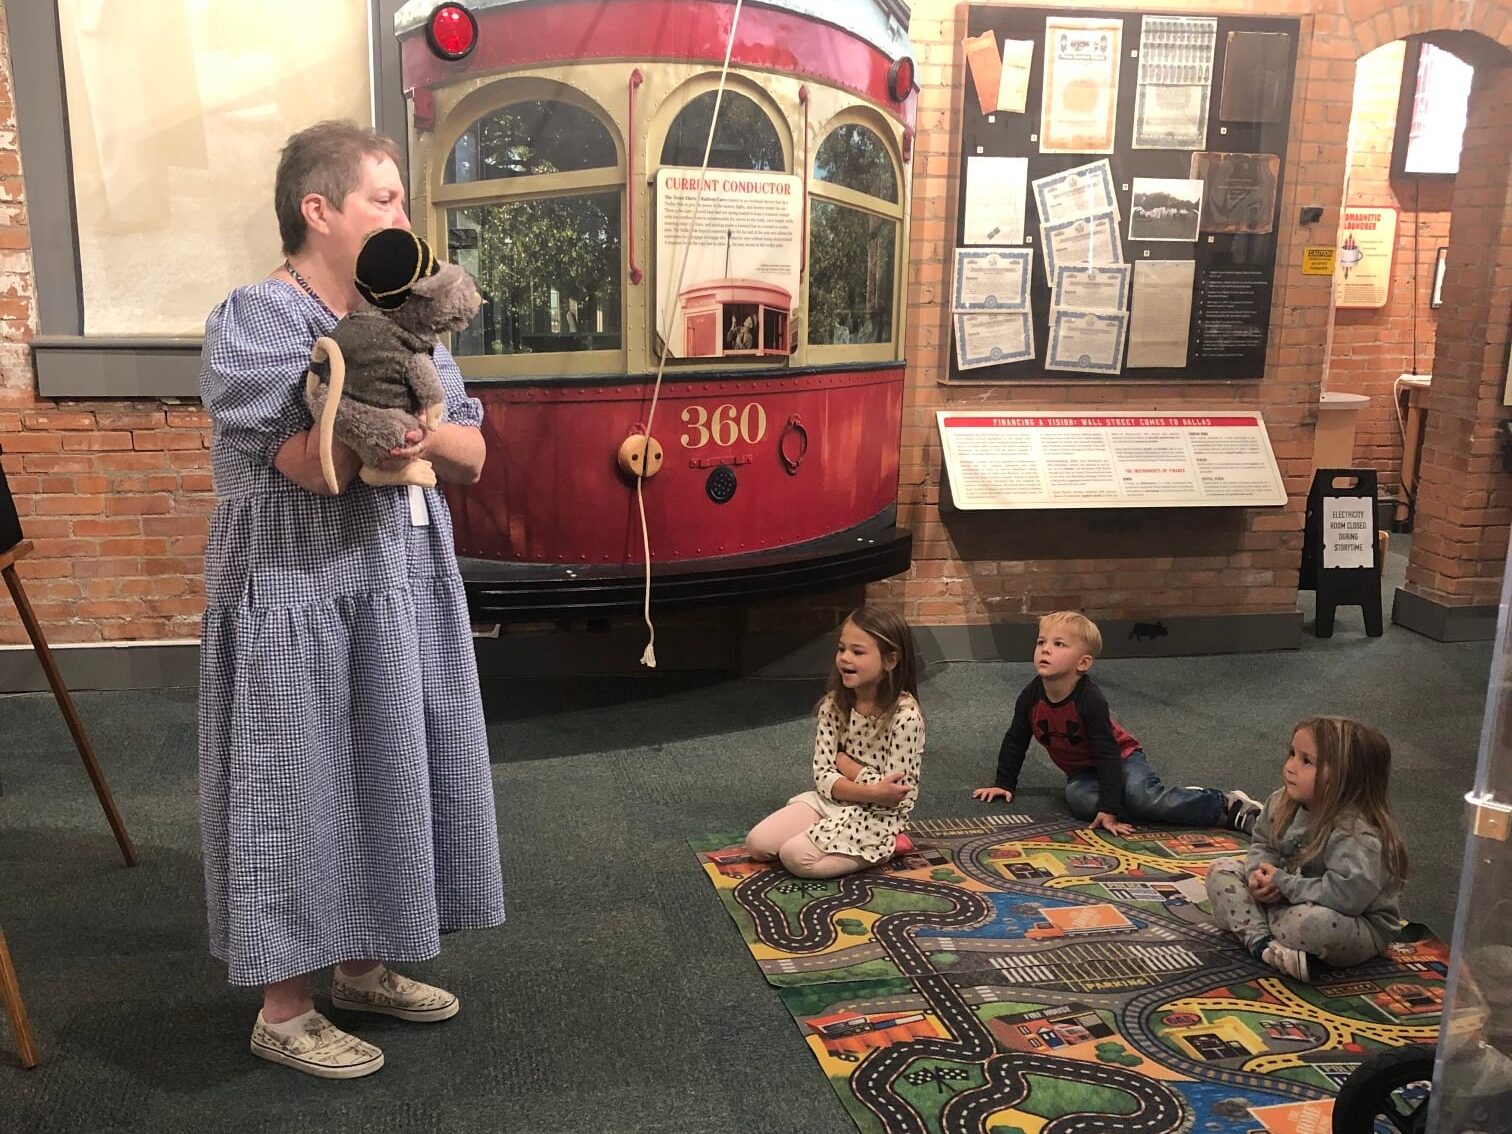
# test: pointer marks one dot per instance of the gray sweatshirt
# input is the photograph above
(1348, 876)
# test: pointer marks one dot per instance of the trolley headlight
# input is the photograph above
(451, 31)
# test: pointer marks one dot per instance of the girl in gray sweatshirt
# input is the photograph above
(1321, 881)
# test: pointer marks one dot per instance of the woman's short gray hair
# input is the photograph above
(325, 158)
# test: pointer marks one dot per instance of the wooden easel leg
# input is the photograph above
(70, 715)
(10, 992)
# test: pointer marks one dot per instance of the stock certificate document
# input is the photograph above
(995, 189)
(1091, 287)
(1162, 317)
(1079, 103)
(1175, 82)
(1093, 240)
(992, 280)
(992, 339)
(1075, 193)
(1086, 340)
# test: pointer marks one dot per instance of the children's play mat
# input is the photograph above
(1035, 977)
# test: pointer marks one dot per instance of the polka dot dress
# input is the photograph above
(882, 745)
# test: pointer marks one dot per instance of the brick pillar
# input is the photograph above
(1464, 502)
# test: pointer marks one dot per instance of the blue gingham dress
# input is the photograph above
(346, 797)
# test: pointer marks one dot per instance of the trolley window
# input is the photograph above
(855, 221)
(533, 211)
(744, 139)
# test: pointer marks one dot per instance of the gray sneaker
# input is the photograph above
(1292, 962)
(319, 1048)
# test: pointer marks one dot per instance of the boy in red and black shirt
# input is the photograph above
(1108, 779)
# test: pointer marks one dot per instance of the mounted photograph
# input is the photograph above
(1165, 208)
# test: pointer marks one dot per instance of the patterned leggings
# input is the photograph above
(784, 834)
(1335, 939)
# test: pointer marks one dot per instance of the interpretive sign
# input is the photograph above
(1367, 247)
(728, 249)
(1054, 459)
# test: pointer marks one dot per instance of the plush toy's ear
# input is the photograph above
(390, 262)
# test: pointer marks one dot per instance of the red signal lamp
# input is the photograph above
(900, 79)
(452, 31)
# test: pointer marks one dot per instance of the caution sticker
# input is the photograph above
(1318, 260)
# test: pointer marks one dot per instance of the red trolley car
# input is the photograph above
(559, 153)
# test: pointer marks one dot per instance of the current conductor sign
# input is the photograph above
(1050, 459)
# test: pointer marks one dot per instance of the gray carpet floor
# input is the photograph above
(619, 996)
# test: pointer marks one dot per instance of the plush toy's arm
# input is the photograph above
(423, 379)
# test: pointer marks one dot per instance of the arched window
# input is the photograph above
(532, 196)
(855, 220)
(744, 139)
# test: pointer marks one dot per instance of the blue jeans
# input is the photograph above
(1146, 799)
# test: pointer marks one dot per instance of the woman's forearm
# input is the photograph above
(457, 452)
(298, 458)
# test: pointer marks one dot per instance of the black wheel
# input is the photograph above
(1388, 1091)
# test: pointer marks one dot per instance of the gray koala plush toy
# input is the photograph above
(373, 379)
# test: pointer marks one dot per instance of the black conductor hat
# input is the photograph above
(391, 261)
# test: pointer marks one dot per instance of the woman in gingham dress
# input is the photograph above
(347, 801)
(868, 744)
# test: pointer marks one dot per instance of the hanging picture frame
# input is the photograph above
(1437, 298)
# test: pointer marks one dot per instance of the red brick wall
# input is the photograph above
(978, 567)
(1464, 504)
(1371, 347)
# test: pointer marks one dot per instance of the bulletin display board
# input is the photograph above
(1192, 153)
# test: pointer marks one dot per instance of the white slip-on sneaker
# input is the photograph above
(394, 995)
(318, 1048)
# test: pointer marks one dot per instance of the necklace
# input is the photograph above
(304, 286)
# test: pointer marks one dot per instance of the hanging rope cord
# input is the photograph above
(648, 656)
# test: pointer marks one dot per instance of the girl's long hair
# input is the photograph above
(1353, 777)
(895, 640)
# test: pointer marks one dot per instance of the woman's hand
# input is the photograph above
(1109, 822)
(988, 794)
(416, 447)
(1262, 884)
(891, 790)
(457, 451)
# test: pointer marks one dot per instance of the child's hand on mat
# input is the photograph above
(890, 790)
(1262, 884)
(1109, 822)
(988, 794)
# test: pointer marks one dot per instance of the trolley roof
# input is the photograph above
(881, 23)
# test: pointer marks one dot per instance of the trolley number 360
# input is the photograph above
(724, 426)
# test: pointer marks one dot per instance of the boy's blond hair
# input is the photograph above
(1075, 625)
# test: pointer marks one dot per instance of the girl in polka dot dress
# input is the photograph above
(867, 746)
(1321, 881)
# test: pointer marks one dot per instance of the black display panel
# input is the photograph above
(1253, 65)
